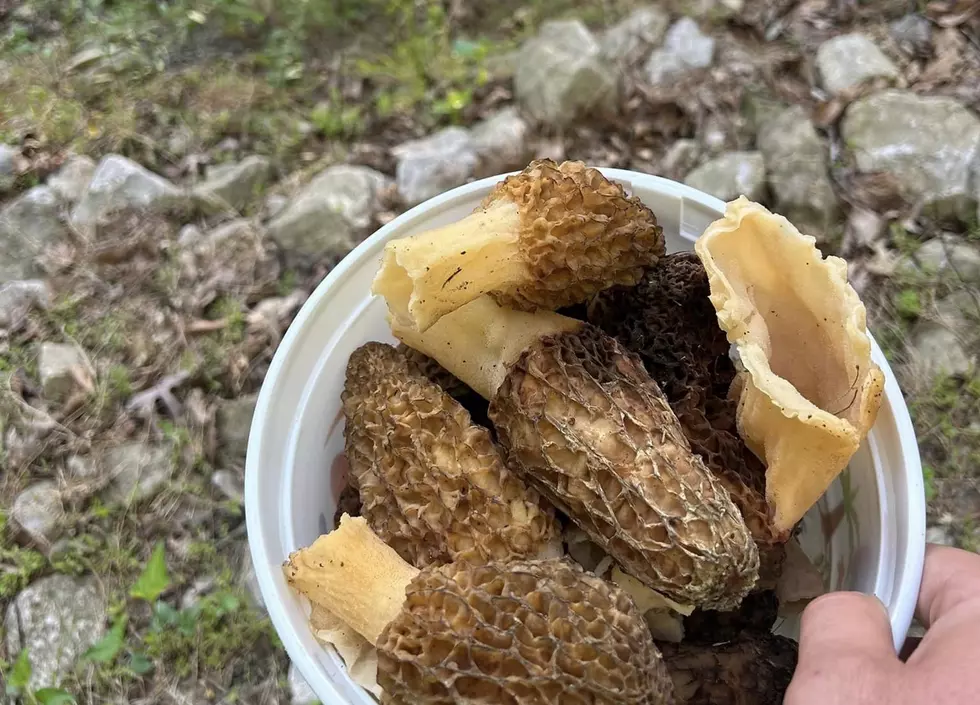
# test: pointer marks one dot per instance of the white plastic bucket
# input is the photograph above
(867, 532)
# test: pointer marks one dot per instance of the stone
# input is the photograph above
(322, 220)
(731, 175)
(28, 225)
(562, 76)
(501, 142)
(18, 298)
(300, 692)
(959, 312)
(928, 144)
(938, 351)
(39, 512)
(234, 185)
(64, 370)
(74, 176)
(685, 49)
(85, 58)
(434, 164)
(8, 165)
(848, 60)
(629, 39)
(951, 254)
(913, 34)
(234, 421)
(229, 484)
(758, 108)
(797, 169)
(274, 204)
(56, 619)
(680, 158)
(189, 235)
(138, 470)
(120, 183)
(939, 535)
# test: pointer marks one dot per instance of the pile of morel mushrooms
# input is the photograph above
(578, 476)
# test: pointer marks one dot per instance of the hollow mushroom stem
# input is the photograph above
(431, 274)
(354, 574)
(479, 342)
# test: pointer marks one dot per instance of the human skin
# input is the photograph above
(846, 654)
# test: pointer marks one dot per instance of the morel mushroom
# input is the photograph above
(668, 320)
(808, 389)
(538, 632)
(548, 237)
(432, 483)
(586, 426)
(753, 669)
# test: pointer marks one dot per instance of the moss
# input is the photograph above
(908, 303)
(18, 566)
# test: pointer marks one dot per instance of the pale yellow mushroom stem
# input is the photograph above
(479, 342)
(354, 574)
(426, 276)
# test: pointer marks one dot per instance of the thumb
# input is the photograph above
(845, 624)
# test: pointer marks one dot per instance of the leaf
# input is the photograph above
(139, 663)
(54, 696)
(108, 647)
(20, 675)
(154, 579)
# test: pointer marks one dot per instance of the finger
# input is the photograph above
(845, 622)
(951, 577)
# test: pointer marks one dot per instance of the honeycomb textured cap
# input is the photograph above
(754, 669)
(526, 632)
(580, 233)
(668, 320)
(438, 374)
(432, 484)
(587, 426)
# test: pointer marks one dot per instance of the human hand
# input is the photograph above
(846, 654)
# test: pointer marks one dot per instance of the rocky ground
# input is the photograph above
(177, 176)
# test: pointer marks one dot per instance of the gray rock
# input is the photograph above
(913, 33)
(758, 108)
(323, 218)
(8, 165)
(731, 175)
(121, 183)
(229, 484)
(138, 471)
(847, 60)
(628, 40)
(927, 144)
(796, 164)
(17, 298)
(86, 58)
(28, 225)
(189, 235)
(939, 535)
(430, 166)
(501, 142)
(64, 370)
(234, 421)
(951, 254)
(274, 204)
(74, 176)
(39, 513)
(562, 76)
(938, 351)
(680, 158)
(300, 692)
(685, 49)
(56, 619)
(234, 185)
(959, 312)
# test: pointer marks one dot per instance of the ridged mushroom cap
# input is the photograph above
(527, 633)
(586, 425)
(580, 233)
(432, 483)
(668, 320)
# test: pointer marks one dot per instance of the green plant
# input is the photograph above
(929, 480)
(908, 303)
